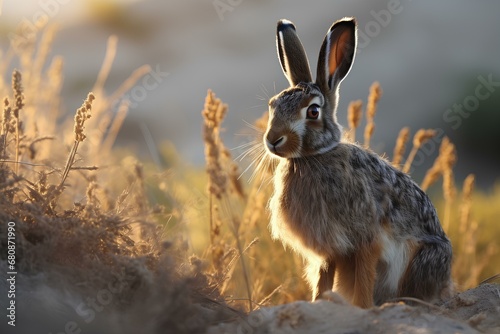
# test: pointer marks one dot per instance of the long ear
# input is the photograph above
(337, 54)
(291, 53)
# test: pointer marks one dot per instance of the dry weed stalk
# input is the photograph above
(234, 178)
(448, 160)
(430, 177)
(449, 193)
(219, 166)
(106, 64)
(354, 115)
(109, 124)
(419, 139)
(443, 166)
(115, 126)
(213, 114)
(371, 110)
(53, 98)
(467, 233)
(18, 106)
(478, 266)
(465, 208)
(399, 149)
(446, 152)
(6, 125)
(256, 205)
(42, 53)
(81, 116)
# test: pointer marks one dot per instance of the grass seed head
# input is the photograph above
(371, 110)
(400, 147)
(465, 208)
(373, 98)
(431, 177)
(17, 87)
(422, 136)
(7, 125)
(447, 154)
(449, 189)
(354, 113)
(213, 114)
(81, 116)
(369, 130)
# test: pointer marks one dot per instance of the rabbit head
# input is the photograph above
(302, 120)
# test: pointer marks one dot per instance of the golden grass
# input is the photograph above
(354, 115)
(419, 139)
(81, 227)
(223, 183)
(371, 111)
(400, 147)
(141, 230)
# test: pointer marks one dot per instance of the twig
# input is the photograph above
(269, 296)
(25, 163)
(85, 168)
(490, 279)
(69, 163)
(418, 301)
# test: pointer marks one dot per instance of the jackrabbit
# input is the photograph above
(348, 212)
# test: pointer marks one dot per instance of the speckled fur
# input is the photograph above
(364, 227)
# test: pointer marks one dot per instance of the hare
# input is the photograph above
(364, 228)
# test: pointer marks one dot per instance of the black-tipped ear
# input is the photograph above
(291, 54)
(337, 54)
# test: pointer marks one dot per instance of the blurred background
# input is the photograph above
(437, 62)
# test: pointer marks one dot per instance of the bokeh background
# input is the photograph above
(427, 55)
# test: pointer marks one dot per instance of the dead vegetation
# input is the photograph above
(77, 234)
(80, 231)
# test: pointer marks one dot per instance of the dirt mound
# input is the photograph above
(474, 311)
(480, 307)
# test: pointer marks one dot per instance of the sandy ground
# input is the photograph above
(473, 311)
(177, 308)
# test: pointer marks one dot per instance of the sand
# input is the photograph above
(473, 311)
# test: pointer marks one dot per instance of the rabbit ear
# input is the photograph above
(337, 54)
(291, 53)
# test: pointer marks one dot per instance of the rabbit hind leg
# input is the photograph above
(428, 272)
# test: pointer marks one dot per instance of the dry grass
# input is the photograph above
(419, 139)
(223, 187)
(78, 231)
(399, 149)
(354, 115)
(84, 229)
(371, 111)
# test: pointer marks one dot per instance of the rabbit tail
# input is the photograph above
(428, 274)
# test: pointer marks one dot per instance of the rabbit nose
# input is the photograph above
(275, 143)
(278, 142)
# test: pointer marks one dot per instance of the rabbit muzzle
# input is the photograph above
(282, 141)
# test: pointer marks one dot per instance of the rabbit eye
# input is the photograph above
(312, 112)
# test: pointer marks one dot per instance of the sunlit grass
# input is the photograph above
(108, 210)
